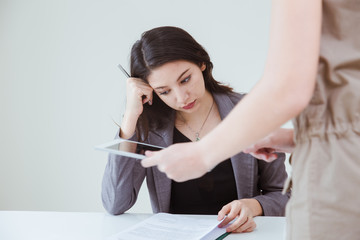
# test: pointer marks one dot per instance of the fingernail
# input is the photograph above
(150, 102)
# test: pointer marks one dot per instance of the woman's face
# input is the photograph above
(180, 84)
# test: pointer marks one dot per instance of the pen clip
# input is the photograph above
(123, 70)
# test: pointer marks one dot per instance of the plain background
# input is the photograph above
(61, 90)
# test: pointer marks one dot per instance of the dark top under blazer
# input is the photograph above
(254, 178)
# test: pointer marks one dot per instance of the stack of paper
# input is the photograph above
(164, 226)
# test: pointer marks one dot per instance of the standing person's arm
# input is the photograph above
(282, 93)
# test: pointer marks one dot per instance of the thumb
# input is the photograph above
(221, 215)
(149, 153)
(150, 159)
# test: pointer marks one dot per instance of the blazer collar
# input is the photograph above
(224, 104)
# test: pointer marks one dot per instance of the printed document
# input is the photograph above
(165, 226)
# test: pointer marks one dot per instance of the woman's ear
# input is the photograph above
(203, 67)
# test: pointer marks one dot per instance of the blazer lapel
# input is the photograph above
(224, 104)
(243, 164)
(164, 138)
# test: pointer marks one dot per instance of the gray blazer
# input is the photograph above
(254, 178)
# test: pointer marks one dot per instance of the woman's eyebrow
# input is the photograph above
(180, 76)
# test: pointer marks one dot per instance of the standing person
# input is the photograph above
(172, 97)
(314, 58)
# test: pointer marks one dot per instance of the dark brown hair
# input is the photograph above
(159, 46)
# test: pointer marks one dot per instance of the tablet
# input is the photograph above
(127, 148)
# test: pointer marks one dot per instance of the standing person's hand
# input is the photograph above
(181, 161)
(266, 149)
(138, 92)
(242, 212)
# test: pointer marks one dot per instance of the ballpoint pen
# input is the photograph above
(123, 70)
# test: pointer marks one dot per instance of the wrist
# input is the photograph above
(254, 206)
(208, 157)
(282, 140)
(288, 140)
(131, 115)
(128, 126)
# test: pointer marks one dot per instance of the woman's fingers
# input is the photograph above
(248, 226)
(148, 93)
(138, 93)
(222, 214)
(265, 154)
(251, 228)
(147, 98)
(242, 214)
(240, 221)
(233, 210)
(144, 92)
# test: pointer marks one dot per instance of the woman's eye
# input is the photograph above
(164, 93)
(185, 80)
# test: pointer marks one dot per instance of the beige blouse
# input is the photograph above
(335, 105)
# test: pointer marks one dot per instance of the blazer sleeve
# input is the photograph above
(272, 177)
(121, 183)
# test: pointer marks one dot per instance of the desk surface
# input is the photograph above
(16, 225)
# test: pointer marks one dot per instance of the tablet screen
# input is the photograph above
(128, 148)
(133, 147)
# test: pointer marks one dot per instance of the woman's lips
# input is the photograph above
(190, 105)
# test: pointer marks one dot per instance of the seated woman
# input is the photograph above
(172, 97)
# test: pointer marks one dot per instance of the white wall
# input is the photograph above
(60, 87)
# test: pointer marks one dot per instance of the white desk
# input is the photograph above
(16, 225)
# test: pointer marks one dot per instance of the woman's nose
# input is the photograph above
(181, 95)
